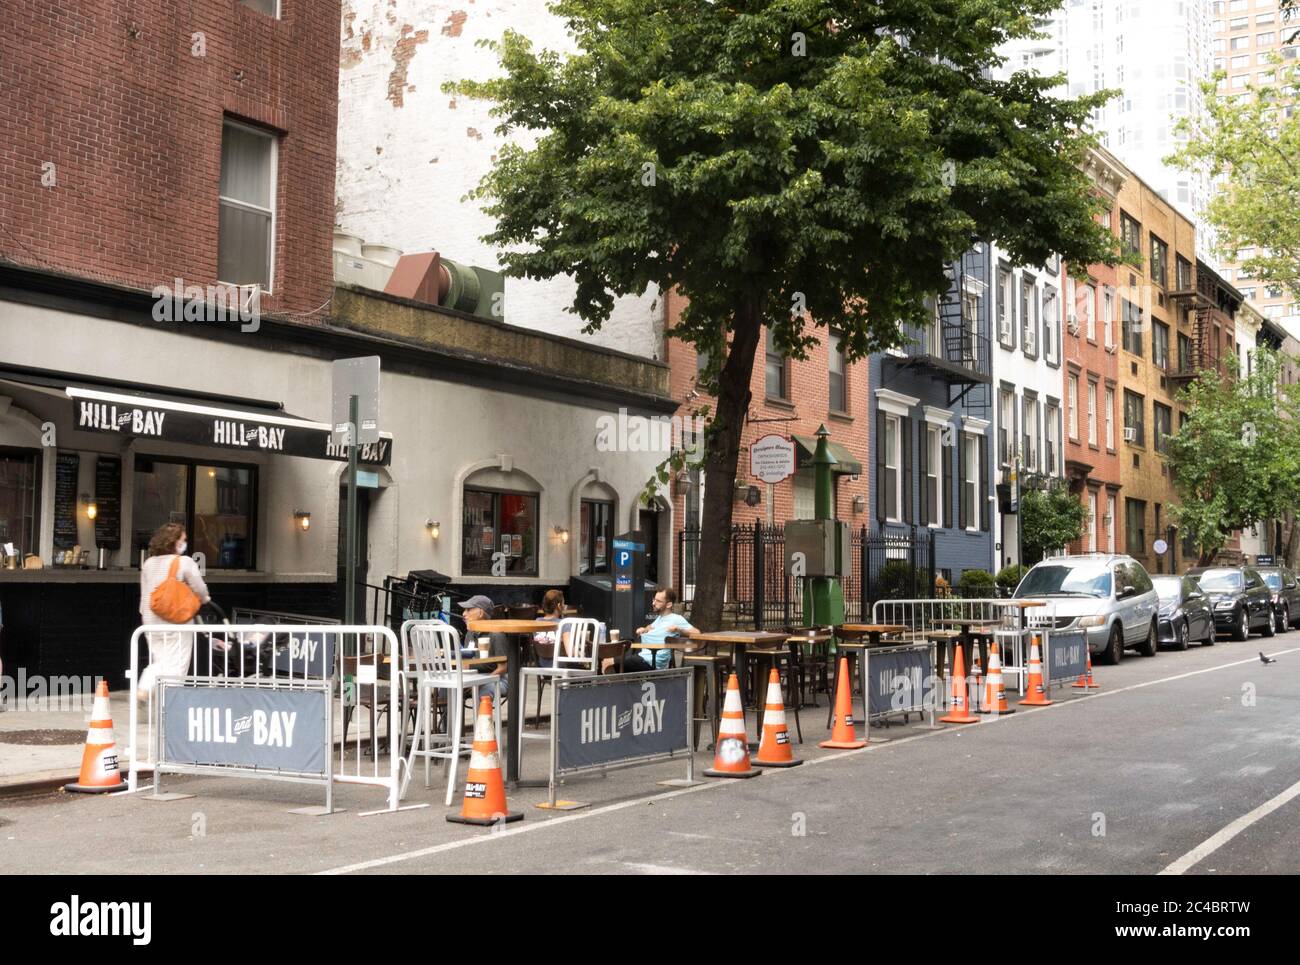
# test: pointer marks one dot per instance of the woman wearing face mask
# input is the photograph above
(169, 651)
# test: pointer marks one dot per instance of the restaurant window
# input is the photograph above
(1131, 319)
(597, 535)
(1134, 418)
(20, 499)
(838, 388)
(1130, 234)
(1135, 528)
(499, 521)
(216, 503)
(777, 371)
(1163, 424)
(1160, 345)
(246, 229)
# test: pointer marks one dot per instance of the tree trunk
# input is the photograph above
(720, 469)
(1289, 553)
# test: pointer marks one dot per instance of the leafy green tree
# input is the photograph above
(1050, 518)
(1235, 460)
(1252, 148)
(796, 164)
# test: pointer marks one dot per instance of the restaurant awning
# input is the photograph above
(224, 423)
(806, 446)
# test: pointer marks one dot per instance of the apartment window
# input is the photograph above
(1051, 441)
(1028, 321)
(1134, 418)
(1092, 413)
(1130, 233)
(1051, 320)
(597, 535)
(777, 371)
(701, 361)
(838, 388)
(246, 221)
(1072, 404)
(1006, 308)
(1184, 353)
(1241, 60)
(1263, 19)
(1086, 309)
(970, 317)
(269, 7)
(1184, 274)
(932, 476)
(215, 502)
(893, 466)
(1159, 262)
(499, 521)
(1239, 43)
(1029, 433)
(1108, 318)
(1006, 426)
(1238, 23)
(1110, 418)
(1110, 524)
(20, 499)
(1135, 529)
(970, 475)
(1092, 521)
(1163, 424)
(1160, 345)
(1236, 6)
(1132, 330)
(1265, 39)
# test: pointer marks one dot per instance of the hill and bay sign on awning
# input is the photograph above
(222, 427)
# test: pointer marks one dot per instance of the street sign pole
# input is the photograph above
(350, 591)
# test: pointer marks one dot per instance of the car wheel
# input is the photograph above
(1114, 651)
(1241, 629)
(1269, 629)
(1211, 634)
(1149, 645)
(1283, 620)
(1180, 636)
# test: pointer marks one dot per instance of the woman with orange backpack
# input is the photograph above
(171, 592)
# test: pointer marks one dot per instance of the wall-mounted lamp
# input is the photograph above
(562, 534)
(753, 496)
(92, 509)
(304, 520)
(434, 528)
(859, 504)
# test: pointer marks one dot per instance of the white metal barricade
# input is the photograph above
(351, 663)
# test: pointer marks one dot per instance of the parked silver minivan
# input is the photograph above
(1109, 596)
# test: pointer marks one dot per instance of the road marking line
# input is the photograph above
(523, 828)
(1217, 841)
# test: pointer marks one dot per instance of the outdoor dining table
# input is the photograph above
(872, 631)
(738, 640)
(971, 629)
(518, 633)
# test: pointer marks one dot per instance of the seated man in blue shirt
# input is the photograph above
(666, 624)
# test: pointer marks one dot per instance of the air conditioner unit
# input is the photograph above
(1005, 329)
(1074, 324)
(1130, 434)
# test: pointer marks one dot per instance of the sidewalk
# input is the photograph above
(44, 743)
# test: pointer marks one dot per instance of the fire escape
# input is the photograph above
(1197, 298)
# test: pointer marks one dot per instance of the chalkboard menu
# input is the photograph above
(65, 500)
(108, 500)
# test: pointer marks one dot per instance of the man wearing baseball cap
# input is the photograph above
(479, 607)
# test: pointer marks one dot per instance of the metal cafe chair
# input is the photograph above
(579, 657)
(431, 662)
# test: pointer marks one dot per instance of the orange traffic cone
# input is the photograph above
(1086, 682)
(485, 792)
(1036, 696)
(775, 750)
(731, 758)
(995, 692)
(842, 734)
(960, 712)
(99, 770)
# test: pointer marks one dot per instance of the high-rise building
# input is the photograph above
(1247, 35)
(1157, 52)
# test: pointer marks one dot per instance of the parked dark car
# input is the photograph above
(1281, 581)
(1239, 597)
(1185, 613)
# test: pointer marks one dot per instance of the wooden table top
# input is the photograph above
(872, 627)
(741, 637)
(510, 626)
(1024, 604)
(973, 622)
(471, 662)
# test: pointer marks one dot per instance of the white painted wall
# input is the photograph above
(408, 153)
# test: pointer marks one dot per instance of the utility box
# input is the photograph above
(826, 546)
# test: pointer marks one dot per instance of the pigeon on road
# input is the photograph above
(1264, 659)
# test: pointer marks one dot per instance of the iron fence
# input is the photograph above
(761, 593)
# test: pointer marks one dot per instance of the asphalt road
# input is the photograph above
(1176, 751)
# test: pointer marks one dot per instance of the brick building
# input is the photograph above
(151, 141)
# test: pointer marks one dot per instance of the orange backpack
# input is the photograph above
(172, 599)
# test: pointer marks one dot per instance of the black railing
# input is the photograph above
(761, 594)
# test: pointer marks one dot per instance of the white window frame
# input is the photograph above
(971, 464)
(1092, 412)
(1092, 520)
(1110, 530)
(1110, 418)
(273, 194)
(1108, 317)
(894, 462)
(1072, 405)
(1051, 422)
(1029, 433)
(934, 471)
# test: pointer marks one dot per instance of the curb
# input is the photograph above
(34, 785)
